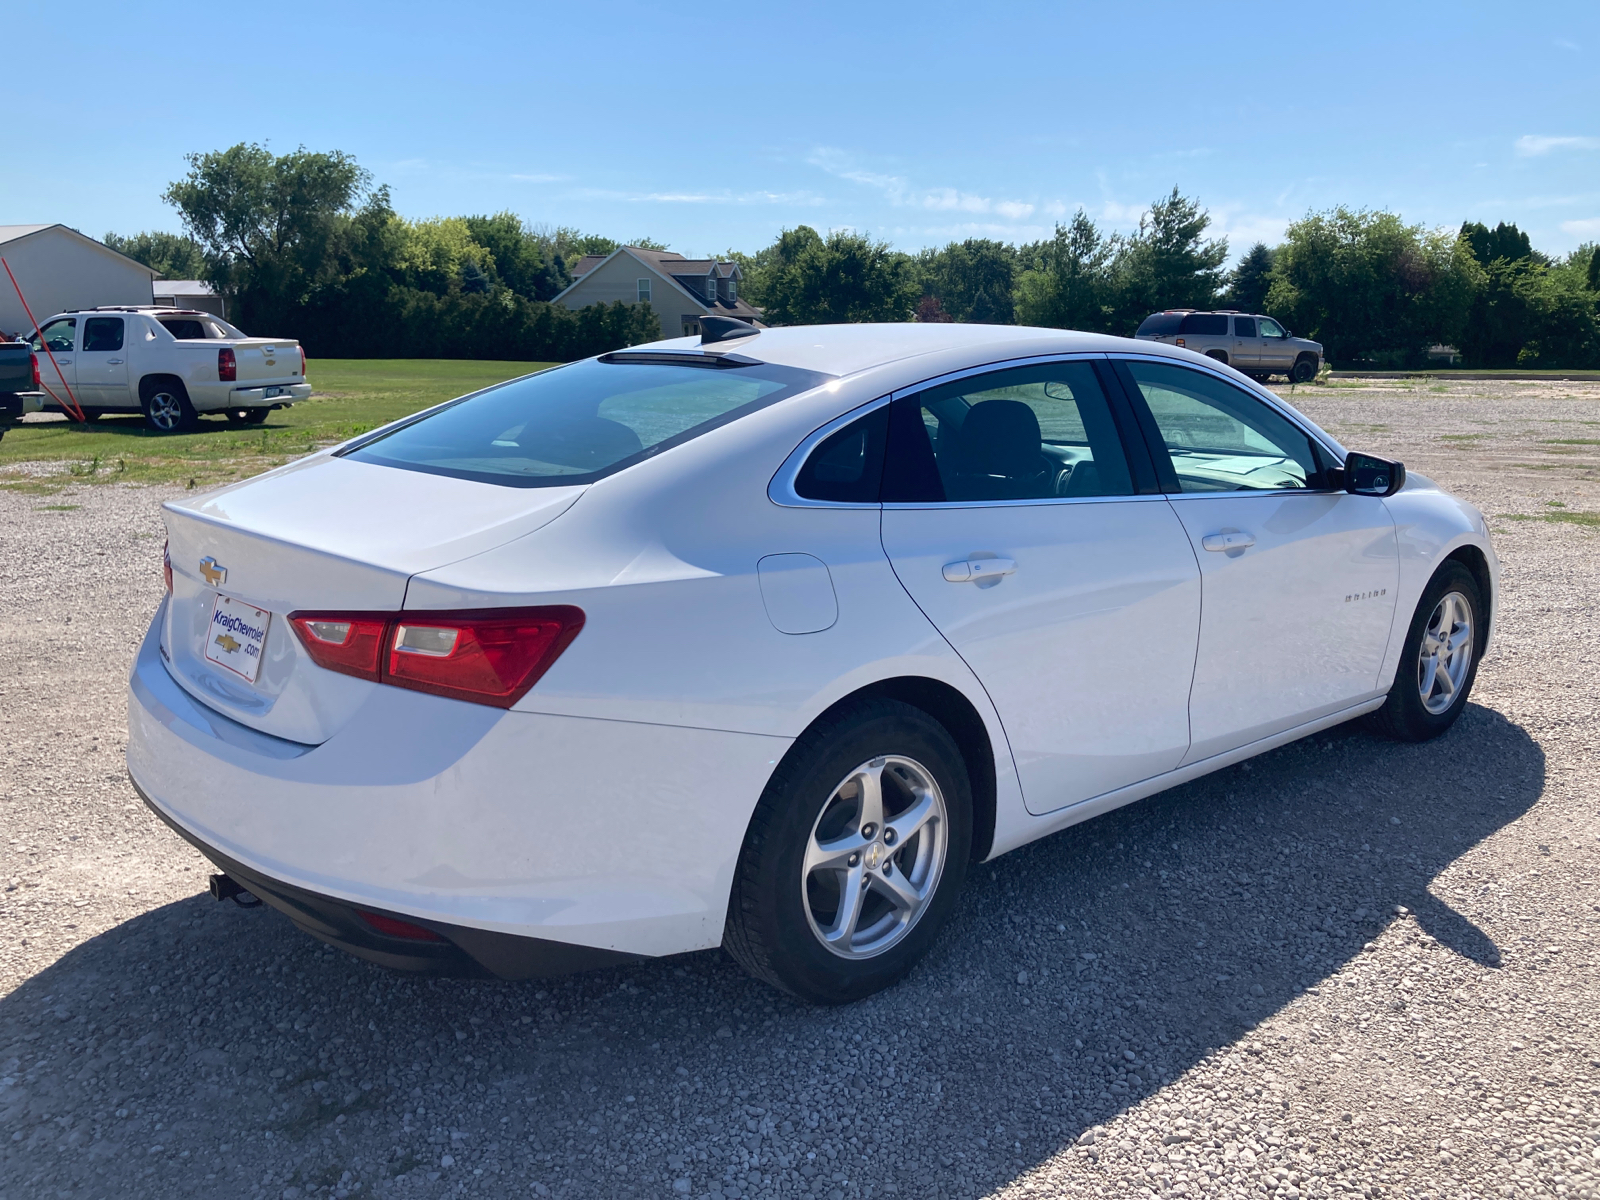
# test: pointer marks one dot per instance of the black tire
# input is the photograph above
(1405, 716)
(769, 925)
(1220, 355)
(166, 406)
(1304, 371)
(247, 416)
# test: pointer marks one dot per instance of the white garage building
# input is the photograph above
(60, 269)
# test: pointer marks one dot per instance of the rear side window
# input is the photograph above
(1159, 325)
(185, 329)
(1244, 327)
(847, 466)
(102, 333)
(581, 422)
(1203, 324)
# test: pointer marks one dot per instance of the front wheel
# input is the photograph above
(1439, 659)
(854, 856)
(1305, 370)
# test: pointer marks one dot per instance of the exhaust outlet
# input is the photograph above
(224, 887)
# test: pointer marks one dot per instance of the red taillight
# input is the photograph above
(227, 365)
(37, 382)
(166, 565)
(487, 656)
(302, 362)
(395, 927)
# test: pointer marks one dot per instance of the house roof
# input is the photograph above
(683, 273)
(15, 233)
(183, 287)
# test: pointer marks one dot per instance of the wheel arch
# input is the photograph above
(149, 383)
(963, 722)
(1477, 562)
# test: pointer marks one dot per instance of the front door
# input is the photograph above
(1075, 602)
(1298, 581)
(1276, 354)
(54, 346)
(103, 364)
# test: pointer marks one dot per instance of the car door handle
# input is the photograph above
(114, 362)
(973, 570)
(1228, 541)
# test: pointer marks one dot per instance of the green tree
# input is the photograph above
(1167, 263)
(972, 280)
(1066, 281)
(1370, 287)
(844, 277)
(1503, 241)
(170, 255)
(1593, 272)
(1248, 284)
(273, 227)
(523, 261)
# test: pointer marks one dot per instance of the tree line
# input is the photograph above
(304, 245)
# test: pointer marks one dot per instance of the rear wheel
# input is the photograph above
(166, 406)
(1305, 370)
(1439, 659)
(854, 856)
(247, 416)
(1220, 355)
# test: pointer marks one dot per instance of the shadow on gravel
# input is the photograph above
(1080, 974)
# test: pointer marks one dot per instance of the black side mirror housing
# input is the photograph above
(1369, 475)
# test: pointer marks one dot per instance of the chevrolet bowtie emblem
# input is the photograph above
(227, 642)
(215, 574)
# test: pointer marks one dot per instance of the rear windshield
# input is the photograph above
(581, 422)
(194, 329)
(1159, 325)
(1205, 323)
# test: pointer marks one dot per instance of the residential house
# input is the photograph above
(194, 294)
(681, 290)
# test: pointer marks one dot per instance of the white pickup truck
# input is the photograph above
(171, 364)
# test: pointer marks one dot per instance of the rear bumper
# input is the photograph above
(459, 951)
(594, 834)
(260, 397)
(14, 405)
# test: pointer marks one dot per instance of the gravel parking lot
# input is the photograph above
(1348, 967)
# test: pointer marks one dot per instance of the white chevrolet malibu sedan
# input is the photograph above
(761, 639)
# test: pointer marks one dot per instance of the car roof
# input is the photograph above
(846, 349)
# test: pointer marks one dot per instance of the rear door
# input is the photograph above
(1011, 517)
(1246, 345)
(56, 346)
(1207, 333)
(1299, 581)
(103, 363)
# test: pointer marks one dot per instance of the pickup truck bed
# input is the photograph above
(18, 392)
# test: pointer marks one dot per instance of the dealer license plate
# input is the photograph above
(237, 636)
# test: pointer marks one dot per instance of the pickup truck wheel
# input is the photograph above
(247, 416)
(166, 406)
(1220, 355)
(1305, 370)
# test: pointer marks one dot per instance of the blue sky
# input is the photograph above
(714, 126)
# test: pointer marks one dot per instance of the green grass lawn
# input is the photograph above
(351, 396)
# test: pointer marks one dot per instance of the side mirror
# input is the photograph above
(1369, 475)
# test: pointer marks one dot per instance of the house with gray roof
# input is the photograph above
(681, 290)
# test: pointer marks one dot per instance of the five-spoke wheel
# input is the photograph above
(1439, 658)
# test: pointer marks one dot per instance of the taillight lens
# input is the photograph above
(166, 565)
(302, 362)
(487, 656)
(37, 382)
(394, 927)
(227, 365)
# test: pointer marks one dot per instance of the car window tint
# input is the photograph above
(1270, 328)
(185, 329)
(1204, 324)
(578, 423)
(1030, 433)
(1244, 327)
(1220, 438)
(58, 335)
(1159, 325)
(102, 333)
(847, 465)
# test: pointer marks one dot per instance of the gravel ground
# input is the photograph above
(1345, 968)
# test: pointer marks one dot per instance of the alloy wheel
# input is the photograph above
(1445, 654)
(875, 856)
(166, 411)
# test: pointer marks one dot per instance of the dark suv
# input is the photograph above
(1248, 342)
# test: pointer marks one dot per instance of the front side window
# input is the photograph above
(644, 291)
(58, 335)
(1244, 327)
(1030, 433)
(1221, 439)
(581, 422)
(1270, 328)
(102, 333)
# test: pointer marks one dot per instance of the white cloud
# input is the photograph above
(1586, 228)
(807, 199)
(900, 192)
(541, 178)
(1532, 146)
